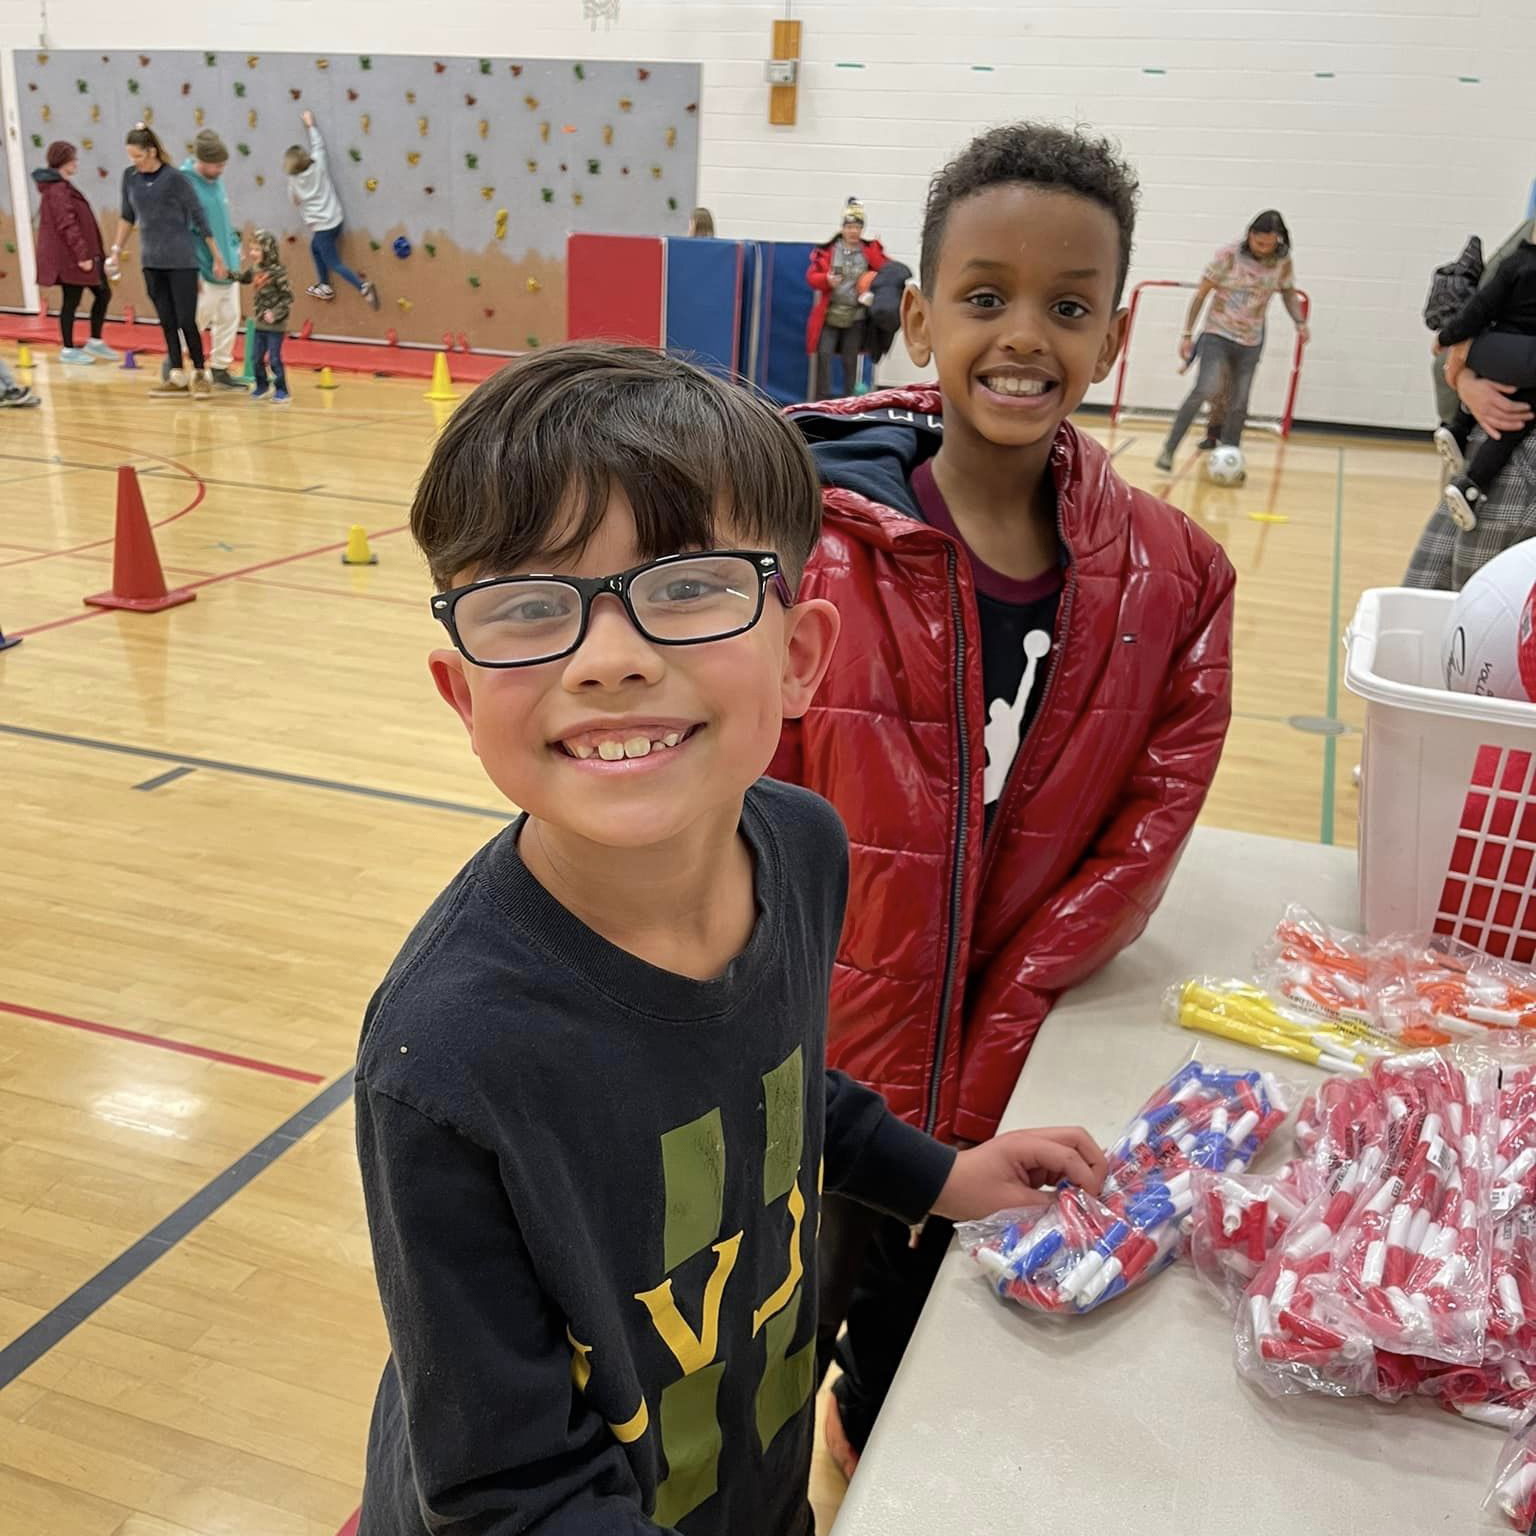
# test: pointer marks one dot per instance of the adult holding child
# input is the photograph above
(160, 202)
(70, 255)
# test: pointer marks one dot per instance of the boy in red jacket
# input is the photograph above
(1029, 698)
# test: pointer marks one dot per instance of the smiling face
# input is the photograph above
(143, 158)
(1263, 246)
(625, 743)
(1022, 317)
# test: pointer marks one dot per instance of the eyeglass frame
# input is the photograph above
(589, 588)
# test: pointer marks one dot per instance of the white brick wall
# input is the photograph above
(1381, 170)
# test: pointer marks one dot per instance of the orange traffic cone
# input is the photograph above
(137, 580)
(442, 380)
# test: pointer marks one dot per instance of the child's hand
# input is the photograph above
(1455, 361)
(1186, 350)
(1009, 1171)
(266, 317)
(309, 118)
(85, 266)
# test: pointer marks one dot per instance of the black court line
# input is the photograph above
(247, 770)
(168, 777)
(286, 490)
(28, 1348)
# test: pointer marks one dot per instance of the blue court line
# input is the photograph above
(246, 770)
(168, 777)
(28, 1348)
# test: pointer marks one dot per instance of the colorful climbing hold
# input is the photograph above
(579, 70)
(405, 305)
(351, 94)
(531, 102)
(429, 248)
(533, 165)
(37, 142)
(413, 157)
(322, 63)
(516, 69)
(490, 314)
(485, 66)
(469, 100)
(365, 62)
(239, 87)
(402, 247)
(243, 149)
(576, 198)
(692, 106)
(143, 61)
(85, 90)
(439, 67)
(485, 128)
(429, 190)
(354, 155)
(95, 114)
(373, 245)
(471, 161)
(656, 173)
(474, 280)
(101, 170)
(198, 115)
(47, 113)
(563, 167)
(294, 92)
(367, 121)
(487, 193)
(644, 74)
(87, 143)
(569, 128)
(210, 59)
(623, 170)
(533, 341)
(533, 285)
(544, 132)
(261, 180)
(501, 223)
(149, 116)
(625, 103)
(250, 118)
(594, 167)
(672, 204)
(547, 193)
(410, 96)
(671, 138)
(607, 133)
(251, 60)
(422, 124)
(372, 184)
(133, 89)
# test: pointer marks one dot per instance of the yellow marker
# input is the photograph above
(1246, 1034)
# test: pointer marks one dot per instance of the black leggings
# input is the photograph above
(846, 341)
(101, 297)
(173, 292)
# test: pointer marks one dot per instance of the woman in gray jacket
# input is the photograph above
(160, 201)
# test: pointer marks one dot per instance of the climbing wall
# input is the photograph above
(10, 270)
(460, 177)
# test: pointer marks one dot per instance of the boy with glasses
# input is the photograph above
(592, 1111)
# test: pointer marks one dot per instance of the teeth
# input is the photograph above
(1009, 386)
(637, 746)
(610, 751)
(616, 751)
(671, 739)
(577, 750)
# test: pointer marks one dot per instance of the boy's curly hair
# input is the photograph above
(1037, 155)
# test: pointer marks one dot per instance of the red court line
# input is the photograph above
(367, 597)
(208, 581)
(90, 442)
(181, 1047)
(350, 1528)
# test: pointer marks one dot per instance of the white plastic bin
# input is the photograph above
(1447, 784)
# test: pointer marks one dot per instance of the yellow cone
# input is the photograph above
(442, 382)
(358, 552)
(327, 381)
(23, 355)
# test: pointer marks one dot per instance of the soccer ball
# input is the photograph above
(1488, 647)
(1225, 466)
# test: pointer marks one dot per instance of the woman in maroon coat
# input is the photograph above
(70, 253)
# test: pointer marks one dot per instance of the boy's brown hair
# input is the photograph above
(526, 466)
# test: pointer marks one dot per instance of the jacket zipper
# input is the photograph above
(962, 837)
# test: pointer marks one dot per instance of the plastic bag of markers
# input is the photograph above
(1078, 1250)
(1320, 970)
(1436, 990)
(1513, 1493)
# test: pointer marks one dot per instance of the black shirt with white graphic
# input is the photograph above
(1018, 628)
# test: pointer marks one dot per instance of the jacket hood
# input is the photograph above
(44, 175)
(266, 243)
(869, 445)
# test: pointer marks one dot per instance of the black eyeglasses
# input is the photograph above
(520, 621)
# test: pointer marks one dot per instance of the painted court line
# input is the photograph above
(26, 1350)
(247, 770)
(160, 1042)
(168, 777)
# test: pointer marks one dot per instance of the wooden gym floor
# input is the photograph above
(218, 823)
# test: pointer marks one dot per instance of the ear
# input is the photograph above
(447, 668)
(1114, 339)
(914, 325)
(810, 635)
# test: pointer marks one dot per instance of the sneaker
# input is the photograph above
(18, 397)
(1450, 452)
(172, 387)
(98, 348)
(1462, 499)
(75, 355)
(320, 291)
(202, 384)
(371, 293)
(280, 397)
(224, 379)
(1207, 442)
(259, 392)
(1165, 461)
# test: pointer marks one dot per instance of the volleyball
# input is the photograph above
(1225, 466)
(1488, 647)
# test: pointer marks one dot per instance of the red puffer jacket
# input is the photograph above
(67, 234)
(957, 944)
(819, 276)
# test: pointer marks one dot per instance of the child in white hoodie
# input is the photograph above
(313, 193)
